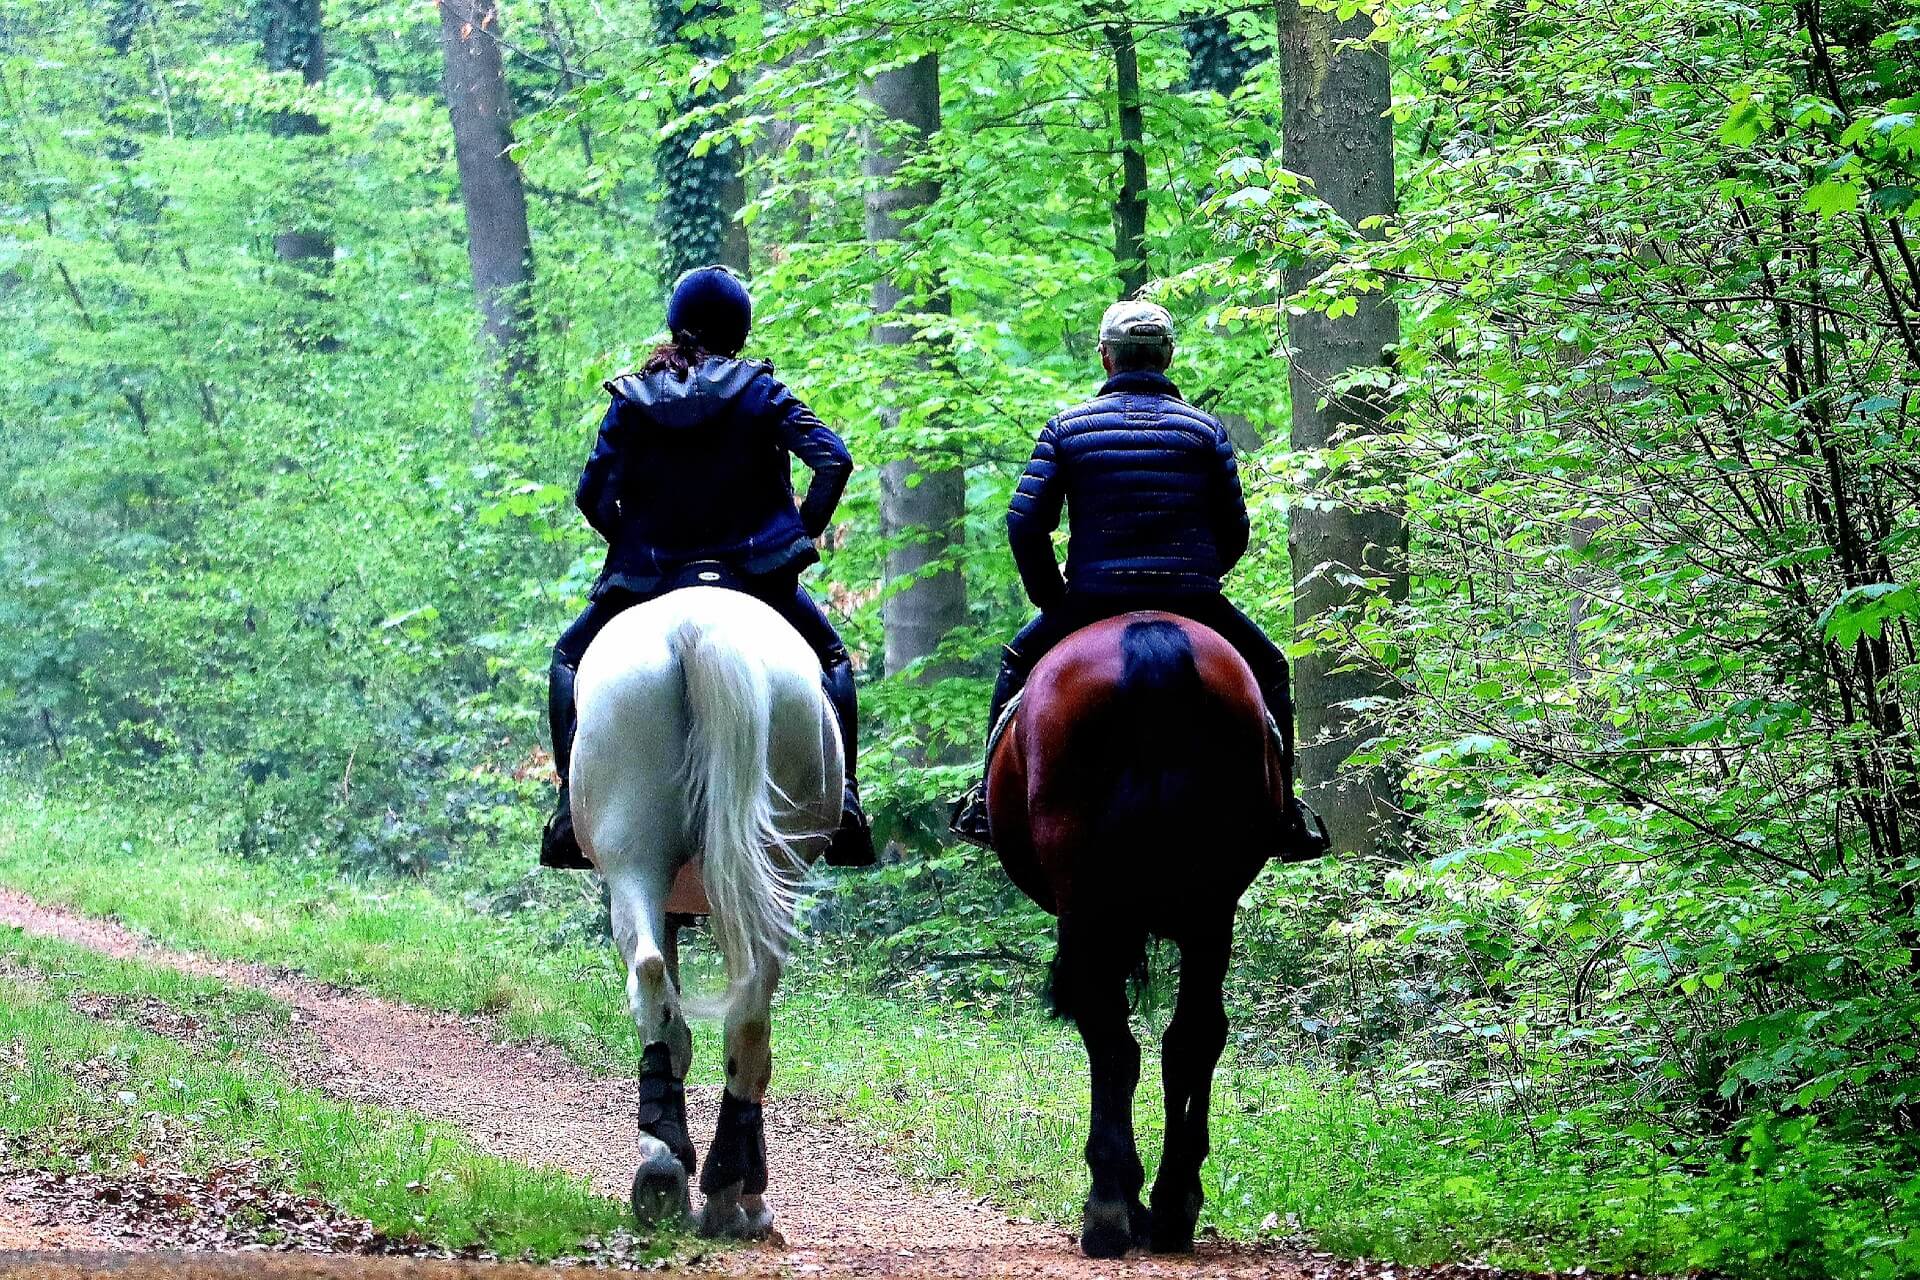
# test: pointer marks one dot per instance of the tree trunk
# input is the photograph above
(1130, 210)
(499, 247)
(291, 40)
(1336, 131)
(916, 496)
(703, 195)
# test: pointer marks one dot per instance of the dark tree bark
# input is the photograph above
(291, 40)
(700, 207)
(1335, 130)
(1130, 209)
(916, 495)
(499, 247)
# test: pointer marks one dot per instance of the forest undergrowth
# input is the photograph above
(86, 1089)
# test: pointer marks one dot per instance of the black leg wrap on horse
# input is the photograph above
(739, 1151)
(663, 1104)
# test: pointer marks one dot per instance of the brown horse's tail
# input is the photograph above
(1151, 735)
(1150, 762)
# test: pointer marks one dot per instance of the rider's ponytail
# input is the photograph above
(680, 357)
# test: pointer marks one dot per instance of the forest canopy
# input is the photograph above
(1624, 672)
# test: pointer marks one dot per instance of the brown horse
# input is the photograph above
(1138, 791)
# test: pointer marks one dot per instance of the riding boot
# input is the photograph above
(1303, 835)
(969, 821)
(558, 847)
(852, 844)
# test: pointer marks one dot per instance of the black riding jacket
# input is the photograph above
(699, 468)
(1151, 489)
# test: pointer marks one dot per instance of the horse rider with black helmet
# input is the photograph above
(1158, 520)
(692, 467)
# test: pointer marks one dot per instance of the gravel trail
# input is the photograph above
(841, 1208)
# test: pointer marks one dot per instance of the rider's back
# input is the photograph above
(1151, 487)
(701, 469)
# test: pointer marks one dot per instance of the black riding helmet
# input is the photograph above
(711, 305)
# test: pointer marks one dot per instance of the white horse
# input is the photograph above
(704, 736)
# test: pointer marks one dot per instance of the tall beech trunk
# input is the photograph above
(1130, 209)
(1336, 131)
(703, 195)
(291, 40)
(499, 247)
(916, 496)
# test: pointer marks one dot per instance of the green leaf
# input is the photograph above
(1865, 611)
(1834, 196)
(1745, 122)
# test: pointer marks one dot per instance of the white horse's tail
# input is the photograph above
(744, 858)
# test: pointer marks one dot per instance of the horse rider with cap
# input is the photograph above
(1157, 521)
(692, 468)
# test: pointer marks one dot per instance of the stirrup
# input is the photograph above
(559, 848)
(852, 844)
(1303, 833)
(968, 820)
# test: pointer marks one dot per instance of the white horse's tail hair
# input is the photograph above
(744, 858)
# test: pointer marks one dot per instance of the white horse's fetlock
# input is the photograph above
(729, 1215)
(759, 1216)
(660, 1186)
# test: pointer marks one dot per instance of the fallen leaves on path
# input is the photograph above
(242, 1205)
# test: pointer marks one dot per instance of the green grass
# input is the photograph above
(431, 943)
(996, 1102)
(82, 1091)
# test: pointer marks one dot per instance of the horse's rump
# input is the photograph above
(704, 736)
(1138, 767)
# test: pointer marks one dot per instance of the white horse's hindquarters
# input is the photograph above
(703, 722)
(630, 796)
(619, 775)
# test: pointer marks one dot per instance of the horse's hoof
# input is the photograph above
(1173, 1222)
(759, 1215)
(1107, 1229)
(731, 1216)
(1171, 1239)
(1140, 1224)
(660, 1188)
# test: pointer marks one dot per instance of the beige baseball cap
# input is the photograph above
(1136, 324)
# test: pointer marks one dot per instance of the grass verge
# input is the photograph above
(80, 1091)
(996, 1103)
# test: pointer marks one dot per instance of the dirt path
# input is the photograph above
(841, 1208)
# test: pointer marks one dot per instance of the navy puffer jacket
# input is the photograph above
(1151, 489)
(698, 467)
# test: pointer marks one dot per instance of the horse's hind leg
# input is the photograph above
(639, 895)
(1189, 1053)
(1090, 986)
(735, 1179)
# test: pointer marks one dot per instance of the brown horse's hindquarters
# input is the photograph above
(1137, 775)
